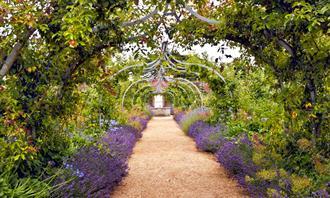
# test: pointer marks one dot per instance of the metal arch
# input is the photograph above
(141, 20)
(171, 94)
(128, 88)
(144, 18)
(175, 67)
(195, 86)
(200, 17)
(171, 62)
(155, 11)
(191, 89)
(148, 94)
(180, 87)
(184, 90)
(203, 66)
(186, 72)
(139, 90)
(150, 65)
(188, 82)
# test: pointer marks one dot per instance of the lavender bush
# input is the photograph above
(95, 173)
(208, 138)
(197, 128)
(234, 156)
(193, 116)
(320, 194)
(141, 120)
(179, 116)
(96, 170)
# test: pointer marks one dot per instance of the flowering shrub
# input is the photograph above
(97, 169)
(139, 123)
(191, 117)
(234, 156)
(252, 163)
(197, 128)
(95, 172)
(179, 116)
(208, 138)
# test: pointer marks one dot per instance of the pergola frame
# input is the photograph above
(173, 13)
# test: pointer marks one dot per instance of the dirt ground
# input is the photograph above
(166, 163)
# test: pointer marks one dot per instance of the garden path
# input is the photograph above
(166, 163)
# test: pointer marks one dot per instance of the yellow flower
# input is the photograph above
(283, 173)
(321, 168)
(304, 144)
(258, 158)
(308, 105)
(299, 184)
(267, 174)
(31, 149)
(271, 192)
(294, 114)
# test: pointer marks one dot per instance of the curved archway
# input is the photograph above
(128, 88)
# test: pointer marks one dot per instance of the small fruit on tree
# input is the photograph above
(73, 43)
(2, 88)
(143, 40)
(212, 27)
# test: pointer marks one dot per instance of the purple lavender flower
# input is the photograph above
(98, 169)
(179, 116)
(320, 194)
(235, 161)
(197, 128)
(208, 138)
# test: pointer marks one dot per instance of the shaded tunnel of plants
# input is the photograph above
(77, 80)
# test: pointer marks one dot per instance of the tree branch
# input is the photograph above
(14, 54)
(10, 59)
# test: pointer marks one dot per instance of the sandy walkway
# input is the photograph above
(166, 163)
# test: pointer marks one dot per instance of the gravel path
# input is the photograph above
(166, 163)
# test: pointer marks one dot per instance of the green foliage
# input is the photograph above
(56, 94)
(10, 186)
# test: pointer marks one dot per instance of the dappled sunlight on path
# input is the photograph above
(166, 163)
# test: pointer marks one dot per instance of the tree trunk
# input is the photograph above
(311, 97)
